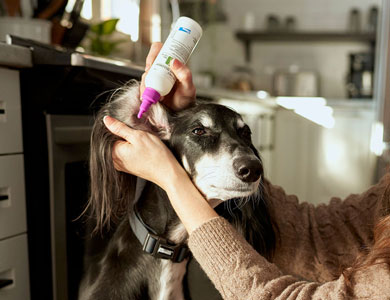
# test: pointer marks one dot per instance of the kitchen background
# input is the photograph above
(310, 77)
(333, 58)
(220, 51)
(280, 48)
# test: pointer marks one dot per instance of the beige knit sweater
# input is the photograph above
(316, 243)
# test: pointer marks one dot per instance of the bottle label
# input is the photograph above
(179, 45)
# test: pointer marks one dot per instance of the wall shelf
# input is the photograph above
(248, 37)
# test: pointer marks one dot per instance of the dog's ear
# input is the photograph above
(111, 191)
(125, 104)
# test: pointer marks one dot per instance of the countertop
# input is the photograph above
(271, 102)
(15, 56)
(25, 55)
(232, 95)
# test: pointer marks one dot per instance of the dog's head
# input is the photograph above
(211, 141)
(214, 146)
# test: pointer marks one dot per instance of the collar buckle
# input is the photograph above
(161, 248)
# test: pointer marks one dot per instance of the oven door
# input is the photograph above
(68, 147)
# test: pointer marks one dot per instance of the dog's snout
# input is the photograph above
(248, 170)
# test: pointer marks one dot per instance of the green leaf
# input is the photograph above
(107, 48)
(105, 27)
(109, 26)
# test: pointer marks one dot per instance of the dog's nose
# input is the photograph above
(248, 170)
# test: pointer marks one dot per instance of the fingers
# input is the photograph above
(154, 50)
(183, 93)
(142, 86)
(119, 155)
(182, 73)
(118, 128)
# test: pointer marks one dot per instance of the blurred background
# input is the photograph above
(325, 51)
(310, 77)
(247, 45)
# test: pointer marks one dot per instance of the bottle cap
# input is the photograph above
(149, 97)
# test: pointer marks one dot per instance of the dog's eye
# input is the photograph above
(199, 131)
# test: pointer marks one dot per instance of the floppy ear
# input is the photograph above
(125, 104)
(112, 192)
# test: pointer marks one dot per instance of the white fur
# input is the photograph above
(128, 98)
(240, 123)
(121, 245)
(216, 179)
(178, 234)
(171, 278)
(86, 291)
(207, 121)
(185, 164)
(158, 117)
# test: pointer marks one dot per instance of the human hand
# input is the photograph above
(183, 92)
(143, 154)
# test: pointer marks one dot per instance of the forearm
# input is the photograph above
(239, 272)
(189, 204)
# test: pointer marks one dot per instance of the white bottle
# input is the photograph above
(179, 45)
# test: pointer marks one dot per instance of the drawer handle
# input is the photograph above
(5, 282)
(2, 108)
(2, 112)
(4, 197)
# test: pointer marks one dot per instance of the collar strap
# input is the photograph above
(152, 243)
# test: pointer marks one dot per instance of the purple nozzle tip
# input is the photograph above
(140, 113)
(149, 97)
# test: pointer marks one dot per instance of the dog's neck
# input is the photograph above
(157, 212)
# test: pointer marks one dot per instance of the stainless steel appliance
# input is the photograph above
(361, 75)
(295, 82)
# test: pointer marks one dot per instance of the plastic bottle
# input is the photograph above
(179, 45)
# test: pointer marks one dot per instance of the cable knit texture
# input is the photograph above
(316, 244)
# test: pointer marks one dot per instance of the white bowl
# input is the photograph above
(35, 29)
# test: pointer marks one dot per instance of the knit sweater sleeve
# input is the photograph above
(318, 242)
(239, 272)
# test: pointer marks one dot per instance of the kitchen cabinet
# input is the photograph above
(14, 271)
(317, 163)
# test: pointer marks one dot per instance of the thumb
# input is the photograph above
(118, 128)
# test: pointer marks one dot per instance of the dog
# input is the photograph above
(213, 144)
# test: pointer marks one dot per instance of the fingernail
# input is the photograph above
(107, 120)
(172, 62)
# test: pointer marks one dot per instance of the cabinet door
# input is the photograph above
(14, 278)
(10, 112)
(12, 196)
(317, 163)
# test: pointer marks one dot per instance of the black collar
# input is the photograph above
(151, 242)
